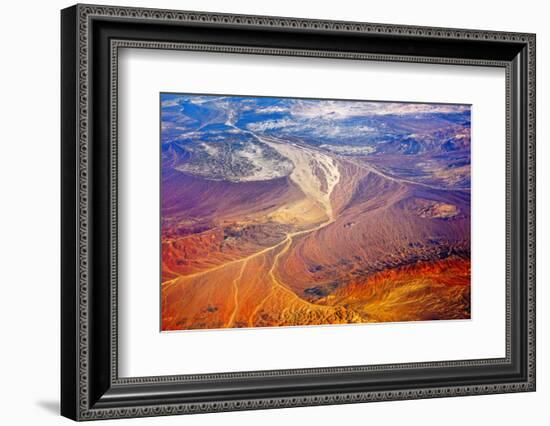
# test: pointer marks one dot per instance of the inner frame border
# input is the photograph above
(117, 44)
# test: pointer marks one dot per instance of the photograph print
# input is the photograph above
(283, 212)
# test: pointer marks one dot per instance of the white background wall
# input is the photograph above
(29, 211)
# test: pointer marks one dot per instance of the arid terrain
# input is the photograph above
(282, 212)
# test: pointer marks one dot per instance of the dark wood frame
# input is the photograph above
(91, 37)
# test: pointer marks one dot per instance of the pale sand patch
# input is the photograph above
(306, 162)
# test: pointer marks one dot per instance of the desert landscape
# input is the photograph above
(293, 212)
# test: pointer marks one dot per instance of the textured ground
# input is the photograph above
(333, 237)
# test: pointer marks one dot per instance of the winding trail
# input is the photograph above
(231, 320)
(277, 284)
(308, 180)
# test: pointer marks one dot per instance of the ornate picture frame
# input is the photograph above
(91, 37)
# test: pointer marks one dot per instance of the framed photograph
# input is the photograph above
(263, 212)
